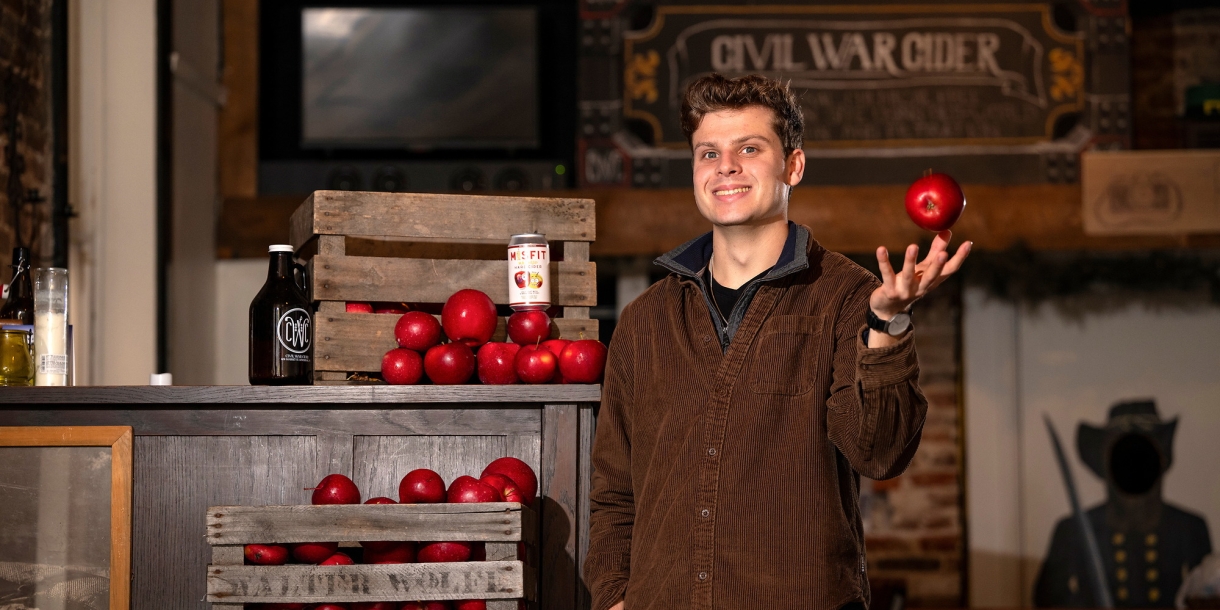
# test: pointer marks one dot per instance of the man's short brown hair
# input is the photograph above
(714, 92)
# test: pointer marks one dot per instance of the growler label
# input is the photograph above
(294, 334)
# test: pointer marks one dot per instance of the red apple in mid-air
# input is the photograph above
(583, 361)
(338, 559)
(421, 486)
(359, 307)
(449, 364)
(400, 552)
(335, 489)
(536, 364)
(529, 327)
(935, 202)
(465, 489)
(508, 490)
(497, 363)
(378, 545)
(401, 366)
(417, 330)
(556, 346)
(469, 317)
(266, 554)
(313, 552)
(470, 604)
(443, 552)
(434, 605)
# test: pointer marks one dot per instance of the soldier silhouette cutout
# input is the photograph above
(1146, 544)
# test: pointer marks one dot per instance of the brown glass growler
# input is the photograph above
(281, 326)
(20, 302)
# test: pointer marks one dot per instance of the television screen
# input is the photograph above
(420, 78)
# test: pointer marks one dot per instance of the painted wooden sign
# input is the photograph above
(1151, 192)
(870, 76)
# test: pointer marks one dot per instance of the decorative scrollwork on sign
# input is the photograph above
(641, 76)
(1068, 74)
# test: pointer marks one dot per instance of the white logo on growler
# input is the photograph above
(529, 272)
(293, 330)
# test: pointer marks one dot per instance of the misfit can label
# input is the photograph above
(529, 276)
(294, 332)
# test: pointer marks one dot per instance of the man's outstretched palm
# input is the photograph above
(899, 290)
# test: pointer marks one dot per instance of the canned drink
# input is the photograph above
(529, 272)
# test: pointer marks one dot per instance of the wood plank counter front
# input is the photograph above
(197, 447)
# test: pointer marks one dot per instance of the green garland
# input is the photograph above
(1079, 280)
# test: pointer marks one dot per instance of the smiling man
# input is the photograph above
(747, 392)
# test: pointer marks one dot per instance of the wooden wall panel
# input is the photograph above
(238, 137)
(177, 478)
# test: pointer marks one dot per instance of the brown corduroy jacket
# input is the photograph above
(726, 475)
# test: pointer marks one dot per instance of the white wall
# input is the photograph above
(237, 281)
(1021, 364)
(112, 184)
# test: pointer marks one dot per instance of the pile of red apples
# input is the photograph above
(507, 479)
(459, 347)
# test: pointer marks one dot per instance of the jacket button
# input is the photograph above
(711, 451)
(705, 512)
(703, 576)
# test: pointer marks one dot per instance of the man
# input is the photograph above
(743, 395)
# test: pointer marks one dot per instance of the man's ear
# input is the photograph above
(794, 168)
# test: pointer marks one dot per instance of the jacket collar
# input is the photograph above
(691, 258)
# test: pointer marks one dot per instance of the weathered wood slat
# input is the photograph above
(439, 217)
(560, 514)
(367, 583)
(491, 521)
(289, 396)
(417, 280)
(358, 341)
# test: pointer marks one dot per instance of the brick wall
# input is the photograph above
(25, 82)
(913, 523)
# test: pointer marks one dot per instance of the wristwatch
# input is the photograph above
(895, 326)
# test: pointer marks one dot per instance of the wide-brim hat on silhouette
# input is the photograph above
(1131, 417)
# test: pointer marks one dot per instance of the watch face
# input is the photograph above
(899, 324)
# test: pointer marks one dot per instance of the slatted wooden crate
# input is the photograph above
(471, 232)
(502, 579)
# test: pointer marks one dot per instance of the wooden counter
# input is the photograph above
(264, 445)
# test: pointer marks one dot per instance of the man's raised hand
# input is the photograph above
(899, 290)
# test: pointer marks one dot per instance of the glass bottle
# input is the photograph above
(20, 303)
(16, 361)
(281, 326)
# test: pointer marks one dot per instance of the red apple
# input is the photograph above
(267, 554)
(583, 361)
(421, 486)
(935, 202)
(338, 559)
(470, 604)
(443, 552)
(330, 607)
(417, 330)
(397, 308)
(402, 552)
(536, 364)
(518, 472)
(335, 489)
(434, 605)
(508, 490)
(313, 552)
(465, 489)
(375, 606)
(469, 317)
(556, 346)
(529, 327)
(357, 307)
(497, 363)
(378, 545)
(401, 366)
(449, 364)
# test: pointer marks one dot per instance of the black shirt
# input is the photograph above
(726, 298)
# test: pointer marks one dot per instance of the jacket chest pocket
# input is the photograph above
(785, 359)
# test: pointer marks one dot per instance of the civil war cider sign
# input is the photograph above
(879, 75)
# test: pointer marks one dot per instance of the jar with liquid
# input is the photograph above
(16, 358)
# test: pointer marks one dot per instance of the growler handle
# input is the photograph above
(300, 277)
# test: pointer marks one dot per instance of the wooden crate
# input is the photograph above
(502, 579)
(424, 248)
